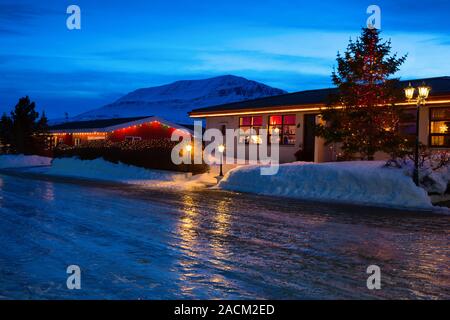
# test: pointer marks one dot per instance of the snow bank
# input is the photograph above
(434, 171)
(357, 182)
(20, 160)
(100, 169)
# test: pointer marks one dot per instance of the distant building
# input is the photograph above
(294, 116)
(115, 130)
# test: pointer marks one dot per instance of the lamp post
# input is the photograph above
(221, 149)
(423, 91)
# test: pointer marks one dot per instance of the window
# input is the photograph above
(95, 138)
(439, 127)
(250, 127)
(77, 141)
(285, 127)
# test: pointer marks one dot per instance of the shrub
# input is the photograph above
(150, 154)
(434, 169)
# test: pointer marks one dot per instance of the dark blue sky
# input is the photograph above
(125, 45)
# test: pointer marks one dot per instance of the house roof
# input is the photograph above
(440, 86)
(93, 124)
(108, 125)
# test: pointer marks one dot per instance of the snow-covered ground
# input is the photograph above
(18, 161)
(100, 169)
(356, 182)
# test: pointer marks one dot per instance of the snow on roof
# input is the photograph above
(108, 125)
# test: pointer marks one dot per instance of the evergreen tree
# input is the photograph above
(42, 124)
(24, 117)
(362, 116)
(6, 134)
(40, 136)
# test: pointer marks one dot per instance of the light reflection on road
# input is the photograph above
(153, 244)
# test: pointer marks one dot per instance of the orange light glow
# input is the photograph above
(205, 115)
(294, 109)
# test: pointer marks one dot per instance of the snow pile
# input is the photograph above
(434, 170)
(357, 182)
(437, 181)
(434, 180)
(20, 160)
(100, 169)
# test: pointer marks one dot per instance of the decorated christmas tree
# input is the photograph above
(362, 117)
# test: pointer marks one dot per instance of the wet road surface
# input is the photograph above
(135, 243)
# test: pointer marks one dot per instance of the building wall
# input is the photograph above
(72, 139)
(152, 130)
(147, 131)
(287, 152)
(323, 153)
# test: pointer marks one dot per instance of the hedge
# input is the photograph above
(150, 154)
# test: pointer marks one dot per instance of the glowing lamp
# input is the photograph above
(221, 149)
(188, 148)
(409, 92)
(424, 91)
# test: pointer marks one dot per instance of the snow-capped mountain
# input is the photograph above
(173, 101)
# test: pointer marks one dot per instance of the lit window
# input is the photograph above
(249, 129)
(285, 127)
(439, 127)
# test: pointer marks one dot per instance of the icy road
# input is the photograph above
(133, 243)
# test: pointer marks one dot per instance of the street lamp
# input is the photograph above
(423, 91)
(409, 92)
(221, 149)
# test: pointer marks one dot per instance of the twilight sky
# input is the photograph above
(125, 45)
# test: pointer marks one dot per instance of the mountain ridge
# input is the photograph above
(173, 101)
